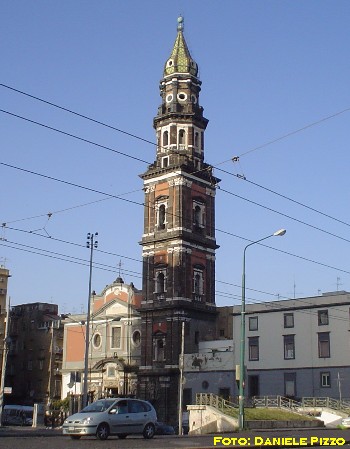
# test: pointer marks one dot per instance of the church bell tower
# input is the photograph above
(178, 242)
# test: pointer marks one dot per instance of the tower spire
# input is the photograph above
(180, 60)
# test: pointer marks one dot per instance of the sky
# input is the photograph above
(276, 92)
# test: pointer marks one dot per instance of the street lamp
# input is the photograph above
(242, 342)
(91, 244)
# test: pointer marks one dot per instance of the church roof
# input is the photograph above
(180, 60)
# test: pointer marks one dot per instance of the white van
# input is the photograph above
(17, 415)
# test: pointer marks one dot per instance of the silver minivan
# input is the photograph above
(118, 416)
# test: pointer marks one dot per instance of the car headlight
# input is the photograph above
(87, 420)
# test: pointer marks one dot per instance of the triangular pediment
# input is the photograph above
(114, 308)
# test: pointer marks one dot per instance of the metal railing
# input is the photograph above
(275, 402)
(334, 404)
(215, 401)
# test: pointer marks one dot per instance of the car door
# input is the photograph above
(119, 417)
(138, 415)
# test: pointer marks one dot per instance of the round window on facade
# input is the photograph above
(97, 340)
(194, 99)
(170, 63)
(181, 96)
(136, 338)
(169, 98)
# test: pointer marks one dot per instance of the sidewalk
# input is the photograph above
(28, 431)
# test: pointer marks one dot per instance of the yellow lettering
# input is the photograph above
(217, 440)
(258, 441)
(303, 441)
(313, 440)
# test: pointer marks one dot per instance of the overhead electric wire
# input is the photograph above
(286, 216)
(124, 154)
(77, 114)
(82, 139)
(141, 160)
(72, 243)
(72, 184)
(142, 204)
(72, 259)
(295, 131)
(68, 208)
(216, 165)
(243, 178)
(104, 267)
(284, 136)
(64, 257)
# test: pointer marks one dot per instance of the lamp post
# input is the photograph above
(242, 342)
(91, 244)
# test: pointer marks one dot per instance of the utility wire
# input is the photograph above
(216, 165)
(141, 160)
(77, 114)
(82, 139)
(68, 208)
(75, 260)
(114, 196)
(278, 139)
(310, 125)
(243, 178)
(285, 215)
(224, 232)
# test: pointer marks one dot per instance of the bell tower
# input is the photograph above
(178, 243)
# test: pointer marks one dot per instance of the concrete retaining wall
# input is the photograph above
(204, 419)
(297, 424)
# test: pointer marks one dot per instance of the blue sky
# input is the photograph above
(268, 68)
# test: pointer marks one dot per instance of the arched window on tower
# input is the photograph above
(196, 140)
(159, 348)
(161, 214)
(181, 139)
(160, 283)
(198, 284)
(198, 216)
(165, 138)
(161, 219)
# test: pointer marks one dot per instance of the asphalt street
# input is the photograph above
(41, 438)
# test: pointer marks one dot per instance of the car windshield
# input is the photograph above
(98, 406)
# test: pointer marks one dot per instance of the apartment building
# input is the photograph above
(294, 348)
(35, 348)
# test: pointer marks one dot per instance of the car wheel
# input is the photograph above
(148, 431)
(102, 431)
(122, 436)
(75, 437)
